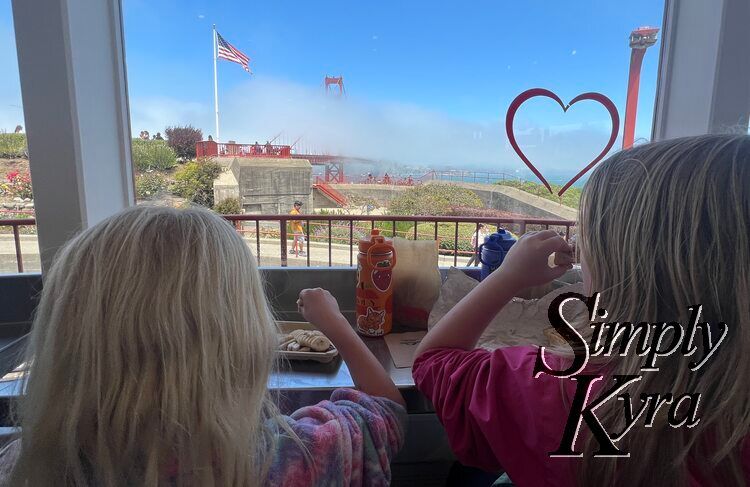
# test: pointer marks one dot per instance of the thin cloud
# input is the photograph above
(391, 131)
(156, 113)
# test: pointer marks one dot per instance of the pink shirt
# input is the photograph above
(498, 417)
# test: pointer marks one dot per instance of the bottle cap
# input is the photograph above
(375, 238)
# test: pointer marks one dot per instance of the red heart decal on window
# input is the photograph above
(534, 92)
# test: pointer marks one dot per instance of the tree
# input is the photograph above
(183, 140)
(433, 199)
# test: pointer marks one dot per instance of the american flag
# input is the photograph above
(230, 53)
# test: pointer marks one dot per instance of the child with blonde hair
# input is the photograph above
(151, 351)
(663, 227)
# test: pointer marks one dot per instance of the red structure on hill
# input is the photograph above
(334, 165)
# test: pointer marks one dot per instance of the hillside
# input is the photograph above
(570, 198)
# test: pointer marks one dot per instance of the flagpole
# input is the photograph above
(216, 87)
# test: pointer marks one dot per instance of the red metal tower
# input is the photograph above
(640, 39)
(337, 81)
(335, 167)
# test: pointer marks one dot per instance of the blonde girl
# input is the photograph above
(664, 226)
(151, 350)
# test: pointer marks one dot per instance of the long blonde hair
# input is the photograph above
(151, 348)
(665, 226)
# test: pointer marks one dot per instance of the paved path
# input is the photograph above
(269, 254)
(29, 252)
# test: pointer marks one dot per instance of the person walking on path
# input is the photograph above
(297, 231)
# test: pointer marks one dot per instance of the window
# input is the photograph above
(19, 249)
(381, 101)
(396, 95)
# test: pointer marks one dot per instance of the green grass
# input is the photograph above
(571, 197)
(447, 234)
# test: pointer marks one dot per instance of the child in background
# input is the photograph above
(663, 226)
(152, 347)
(298, 233)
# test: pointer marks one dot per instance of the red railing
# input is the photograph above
(333, 194)
(322, 227)
(340, 233)
(210, 148)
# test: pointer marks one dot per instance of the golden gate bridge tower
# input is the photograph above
(334, 171)
(640, 39)
(335, 81)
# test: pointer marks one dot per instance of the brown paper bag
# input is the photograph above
(521, 321)
(416, 281)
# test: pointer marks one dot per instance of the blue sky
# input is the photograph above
(428, 82)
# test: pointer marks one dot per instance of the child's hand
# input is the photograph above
(320, 308)
(526, 264)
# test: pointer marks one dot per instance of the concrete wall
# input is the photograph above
(226, 185)
(266, 185)
(272, 185)
(320, 200)
(514, 200)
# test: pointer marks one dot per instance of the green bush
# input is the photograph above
(13, 145)
(153, 154)
(433, 199)
(195, 181)
(149, 184)
(229, 206)
(571, 197)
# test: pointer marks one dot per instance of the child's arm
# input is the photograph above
(321, 309)
(523, 267)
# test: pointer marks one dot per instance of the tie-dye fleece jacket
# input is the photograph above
(350, 441)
